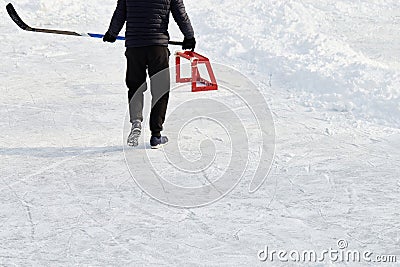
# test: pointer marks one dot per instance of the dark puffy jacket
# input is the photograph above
(147, 21)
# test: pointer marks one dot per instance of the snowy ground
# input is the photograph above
(331, 75)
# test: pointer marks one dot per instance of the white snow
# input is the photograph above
(330, 72)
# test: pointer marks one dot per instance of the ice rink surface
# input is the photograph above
(330, 72)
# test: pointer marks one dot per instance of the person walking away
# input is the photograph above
(147, 49)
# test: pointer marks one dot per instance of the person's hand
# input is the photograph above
(189, 44)
(108, 37)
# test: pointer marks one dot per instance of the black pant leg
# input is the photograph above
(158, 67)
(136, 81)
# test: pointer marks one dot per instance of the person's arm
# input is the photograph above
(117, 22)
(182, 19)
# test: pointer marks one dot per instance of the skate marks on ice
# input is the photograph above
(217, 138)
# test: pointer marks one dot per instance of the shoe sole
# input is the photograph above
(158, 146)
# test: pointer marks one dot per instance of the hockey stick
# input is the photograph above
(17, 19)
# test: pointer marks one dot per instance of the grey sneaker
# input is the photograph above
(133, 138)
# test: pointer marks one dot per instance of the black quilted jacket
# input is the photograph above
(147, 21)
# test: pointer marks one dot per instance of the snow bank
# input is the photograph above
(325, 51)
